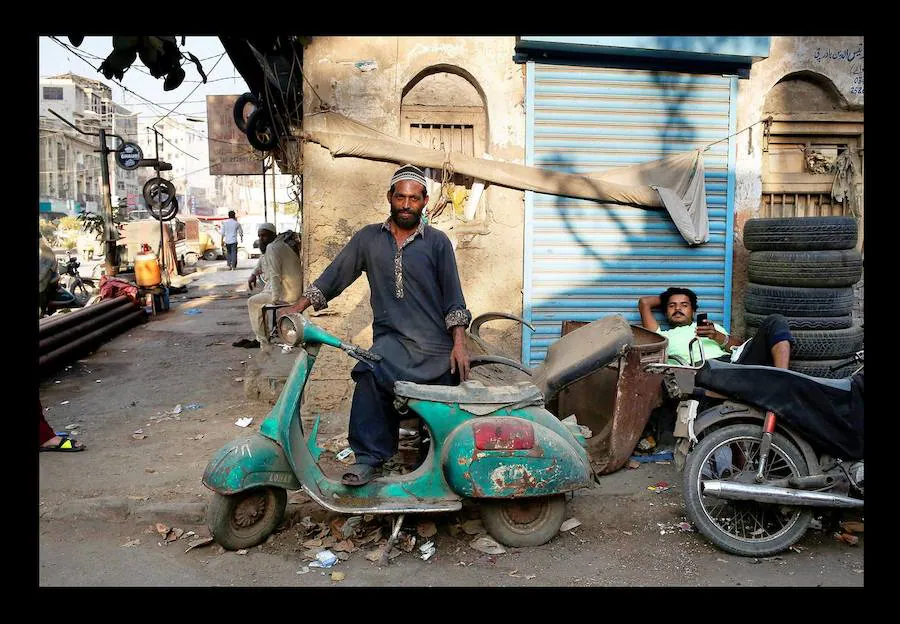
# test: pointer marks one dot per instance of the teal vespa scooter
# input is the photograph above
(497, 445)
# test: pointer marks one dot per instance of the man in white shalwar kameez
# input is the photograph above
(280, 265)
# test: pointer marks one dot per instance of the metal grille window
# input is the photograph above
(53, 93)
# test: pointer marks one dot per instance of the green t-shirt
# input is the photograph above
(680, 338)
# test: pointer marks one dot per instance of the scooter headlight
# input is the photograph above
(290, 329)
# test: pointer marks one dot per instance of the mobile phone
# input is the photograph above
(701, 318)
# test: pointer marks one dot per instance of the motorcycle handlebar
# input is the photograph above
(856, 357)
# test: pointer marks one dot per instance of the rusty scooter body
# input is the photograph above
(495, 445)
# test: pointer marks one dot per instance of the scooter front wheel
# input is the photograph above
(247, 518)
(518, 522)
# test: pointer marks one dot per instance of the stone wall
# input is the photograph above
(840, 60)
(364, 78)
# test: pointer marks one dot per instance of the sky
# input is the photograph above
(222, 80)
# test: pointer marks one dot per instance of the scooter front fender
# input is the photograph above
(249, 462)
(553, 466)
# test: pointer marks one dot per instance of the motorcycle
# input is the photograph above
(780, 445)
(496, 445)
(80, 287)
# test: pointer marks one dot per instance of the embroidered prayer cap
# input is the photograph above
(267, 226)
(410, 172)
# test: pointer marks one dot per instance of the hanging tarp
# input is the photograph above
(674, 183)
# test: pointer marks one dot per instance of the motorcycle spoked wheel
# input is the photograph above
(746, 528)
(246, 519)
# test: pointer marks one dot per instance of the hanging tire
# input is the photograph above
(190, 258)
(744, 528)
(822, 368)
(245, 519)
(832, 268)
(801, 233)
(238, 110)
(753, 321)
(792, 301)
(824, 345)
(261, 130)
(162, 191)
(518, 522)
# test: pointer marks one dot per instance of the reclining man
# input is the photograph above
(771, 346)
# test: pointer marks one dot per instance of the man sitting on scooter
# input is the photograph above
(420, 316)
(771, 346)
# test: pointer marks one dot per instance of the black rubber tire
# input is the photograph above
(261, 131)
(224, 527)
(829, 344)
(752, 320)
(822, 368)
(817, 269)
(497, 517)
(697, 514)
(801, 233)
(209, 255)
(793, 301)
(237, 110)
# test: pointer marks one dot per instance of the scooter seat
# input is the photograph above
(581, 352)
(473, 394)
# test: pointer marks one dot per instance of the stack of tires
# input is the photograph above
(804, 268)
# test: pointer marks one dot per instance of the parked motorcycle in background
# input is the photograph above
(80, 287)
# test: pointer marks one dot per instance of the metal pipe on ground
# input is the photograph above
(58, 355)
(54, 324)
(76, 331)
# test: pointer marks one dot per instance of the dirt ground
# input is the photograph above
(628, 536)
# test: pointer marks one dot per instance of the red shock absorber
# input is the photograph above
(764, 444)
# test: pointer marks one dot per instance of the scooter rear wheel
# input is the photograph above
(746, 528)
(520, 522)
(247, 518)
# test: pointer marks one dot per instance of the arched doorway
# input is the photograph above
(443, 108)
(812, 150)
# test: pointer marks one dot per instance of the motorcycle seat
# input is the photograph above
(767, 374)
(473, 393)
(828, 413)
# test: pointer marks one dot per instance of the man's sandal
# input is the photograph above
(65, 445)
(360, 474)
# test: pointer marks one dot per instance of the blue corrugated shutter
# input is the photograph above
(584, 260)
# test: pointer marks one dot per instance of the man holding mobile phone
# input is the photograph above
(771, 346)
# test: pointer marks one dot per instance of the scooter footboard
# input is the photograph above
(246, 463)
(551, 465)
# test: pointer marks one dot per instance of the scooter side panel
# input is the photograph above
(554, 465)
(249, 462)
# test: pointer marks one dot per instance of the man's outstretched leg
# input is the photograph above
(771, 345)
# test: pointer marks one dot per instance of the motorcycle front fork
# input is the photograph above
(765, 443)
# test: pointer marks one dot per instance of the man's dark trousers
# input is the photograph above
(374, 423)
(758, 352)
(231, 255)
